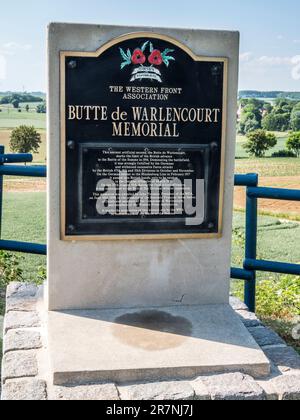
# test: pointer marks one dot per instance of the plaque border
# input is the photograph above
(95, 54)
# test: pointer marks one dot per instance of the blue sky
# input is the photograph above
(270, 34)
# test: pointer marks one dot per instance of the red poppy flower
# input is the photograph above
(138, 57)
(156, 58)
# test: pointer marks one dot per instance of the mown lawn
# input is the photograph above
(277, 240)
(11, 118)
(281, 145)
(24, 219)
(266, 166)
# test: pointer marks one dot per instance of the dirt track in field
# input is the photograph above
(273, 206)
(25, 185)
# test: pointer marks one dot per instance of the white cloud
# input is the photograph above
(268, 67)
(2, 67)
(12, 48)
(296, 41)
(296, 68)
(245, 57)
(274, 61)
(280, 37)
(265, 61)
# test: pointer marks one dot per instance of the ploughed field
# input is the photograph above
(273, 172)
(283, 209)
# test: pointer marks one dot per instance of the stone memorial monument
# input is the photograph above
(141, 146)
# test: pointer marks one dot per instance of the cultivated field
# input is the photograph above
(273, 172)
(283, 209)
(11, 118)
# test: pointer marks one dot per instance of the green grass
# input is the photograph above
(266, 166)
(277, 296)
(24, 219)
(281, 145)
(11, 118)
(278, 241)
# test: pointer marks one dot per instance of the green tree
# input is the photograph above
(252, 111)
(268, 107)
(276, 122)
(248, 123)
(295, 120)
(25, 139)
(269, 123)
(21, 97)
(259, 142)
(254, 107)
(15, 103)
(41, 108)
(251, 125)
(293, 143)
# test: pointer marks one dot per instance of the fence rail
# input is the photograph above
(251, 263)
(253, 193)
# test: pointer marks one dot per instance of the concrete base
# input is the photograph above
(150, 344)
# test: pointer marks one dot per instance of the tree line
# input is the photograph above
(15, 99)
(19, 97)
(269, 94)
(258, 118)
(255, 114)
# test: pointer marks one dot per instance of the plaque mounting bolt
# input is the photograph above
(211, 225)
(71, 228)
(215, 70)
(71, 145)
(72, 64)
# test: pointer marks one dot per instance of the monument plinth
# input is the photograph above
(142, 126)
